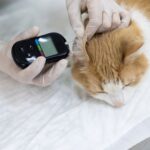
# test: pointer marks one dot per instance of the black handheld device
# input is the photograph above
(52, 46)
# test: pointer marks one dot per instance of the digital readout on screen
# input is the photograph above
(47, 46)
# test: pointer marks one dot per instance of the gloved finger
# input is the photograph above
(28, 74)
(115, 20)
(107, 22)
(125, 19)
(95, 20)
(33, 32)
(51, 75)
(75, 17)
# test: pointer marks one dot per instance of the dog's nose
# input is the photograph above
(118, 103)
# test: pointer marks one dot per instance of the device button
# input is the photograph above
(22, 49)
(31, 47)
(31, 59)
(29, 54)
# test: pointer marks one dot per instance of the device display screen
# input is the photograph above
(46, 46)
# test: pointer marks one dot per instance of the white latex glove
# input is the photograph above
(32, 74)
(103, 15)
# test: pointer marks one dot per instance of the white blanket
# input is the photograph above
(56, 118)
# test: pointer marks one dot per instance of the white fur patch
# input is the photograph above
(112, 87)
(114, 94)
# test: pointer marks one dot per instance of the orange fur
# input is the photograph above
(110, 56)
(142, 5)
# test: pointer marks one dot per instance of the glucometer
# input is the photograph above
(52, 46)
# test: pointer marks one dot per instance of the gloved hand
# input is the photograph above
(103, 15)
(32, 74)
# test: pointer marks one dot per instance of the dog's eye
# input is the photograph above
(126, 85)
(103, 92)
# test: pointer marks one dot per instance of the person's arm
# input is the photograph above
(103, 15)
(32, 74)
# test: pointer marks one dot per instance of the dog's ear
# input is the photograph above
(132, 40)
(86, 20)
(134, 62)
(132, 71)
(79, 53)
(132, 45)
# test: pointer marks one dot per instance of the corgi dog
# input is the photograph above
(112, 61)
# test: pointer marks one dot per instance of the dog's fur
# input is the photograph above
(116, 59)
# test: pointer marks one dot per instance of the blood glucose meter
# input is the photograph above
(52, 46)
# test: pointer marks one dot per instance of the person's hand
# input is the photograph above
(103, 15)
(33, 73)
